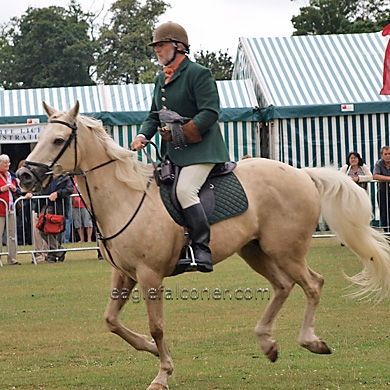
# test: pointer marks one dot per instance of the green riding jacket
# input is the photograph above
(191, 92)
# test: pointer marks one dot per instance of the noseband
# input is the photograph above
(48, 169)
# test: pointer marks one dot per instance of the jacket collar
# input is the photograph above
(181, 67)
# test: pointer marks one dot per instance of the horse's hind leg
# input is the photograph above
(121, 287)
(307, 337)
(282, 286)
(283, 280)
(293, 267)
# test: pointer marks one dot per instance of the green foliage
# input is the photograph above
(341, 17)
(8, 76)
(124, 55)
(54, 46)
(47, 47)
(53, 334)
(221, 65)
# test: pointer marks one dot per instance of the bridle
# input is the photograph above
(48, 170)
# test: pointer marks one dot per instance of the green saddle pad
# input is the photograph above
(230, 199)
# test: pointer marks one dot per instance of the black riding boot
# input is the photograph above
(200, 236)
(199, 230)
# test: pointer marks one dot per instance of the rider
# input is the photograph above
(190, 90)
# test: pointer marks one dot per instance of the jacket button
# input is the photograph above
(163, 98)
(162, 89)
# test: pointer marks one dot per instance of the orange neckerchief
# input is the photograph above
(171, 69)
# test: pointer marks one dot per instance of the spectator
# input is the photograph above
(382, 173)
(68, 222)
(23, 213)
(38, 243)
(81, 218)
(356, 169)
(58, 190)
(8, 189)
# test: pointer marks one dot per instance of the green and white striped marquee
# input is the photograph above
(326, 141)
(18, 105)
(320, 95)
(321, 141)
(122, 108)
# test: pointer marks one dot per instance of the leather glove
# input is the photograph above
(165, 133)
(191, 132)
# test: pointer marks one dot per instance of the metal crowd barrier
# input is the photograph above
(5, 238)
(27, 237)
(28, 240)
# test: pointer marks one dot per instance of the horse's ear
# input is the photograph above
(75, 110)
(49, 110)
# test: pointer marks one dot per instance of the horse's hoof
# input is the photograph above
(324, 349)
(273, 353)
(319, 347)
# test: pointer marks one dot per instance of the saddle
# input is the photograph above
(222, 195)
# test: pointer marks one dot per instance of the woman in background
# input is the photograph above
(9, 188)
(358, 171)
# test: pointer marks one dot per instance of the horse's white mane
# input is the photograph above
(129, 170)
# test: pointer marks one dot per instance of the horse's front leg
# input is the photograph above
(151, 286)
(121, 287)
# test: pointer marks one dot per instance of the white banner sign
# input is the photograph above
(20, 133)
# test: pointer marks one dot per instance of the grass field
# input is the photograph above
(53, 335)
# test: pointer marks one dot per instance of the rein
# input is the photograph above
(148, 156)
(91, 212)
(48, 169)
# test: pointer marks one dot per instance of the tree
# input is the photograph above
(7, 71)
(221, 65)
(47, 47)
(52, 47)
(341, 17)
(124, 56)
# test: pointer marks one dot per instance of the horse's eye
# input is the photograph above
(58, 141)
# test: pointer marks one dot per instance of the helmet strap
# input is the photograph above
(176, 50)
(186, 50)
(173, 57)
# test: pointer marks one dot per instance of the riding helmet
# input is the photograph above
(170, 32)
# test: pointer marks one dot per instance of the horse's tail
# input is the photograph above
(346, 209)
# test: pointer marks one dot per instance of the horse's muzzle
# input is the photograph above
(29, 180)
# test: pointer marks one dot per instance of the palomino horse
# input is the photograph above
(272, 236)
